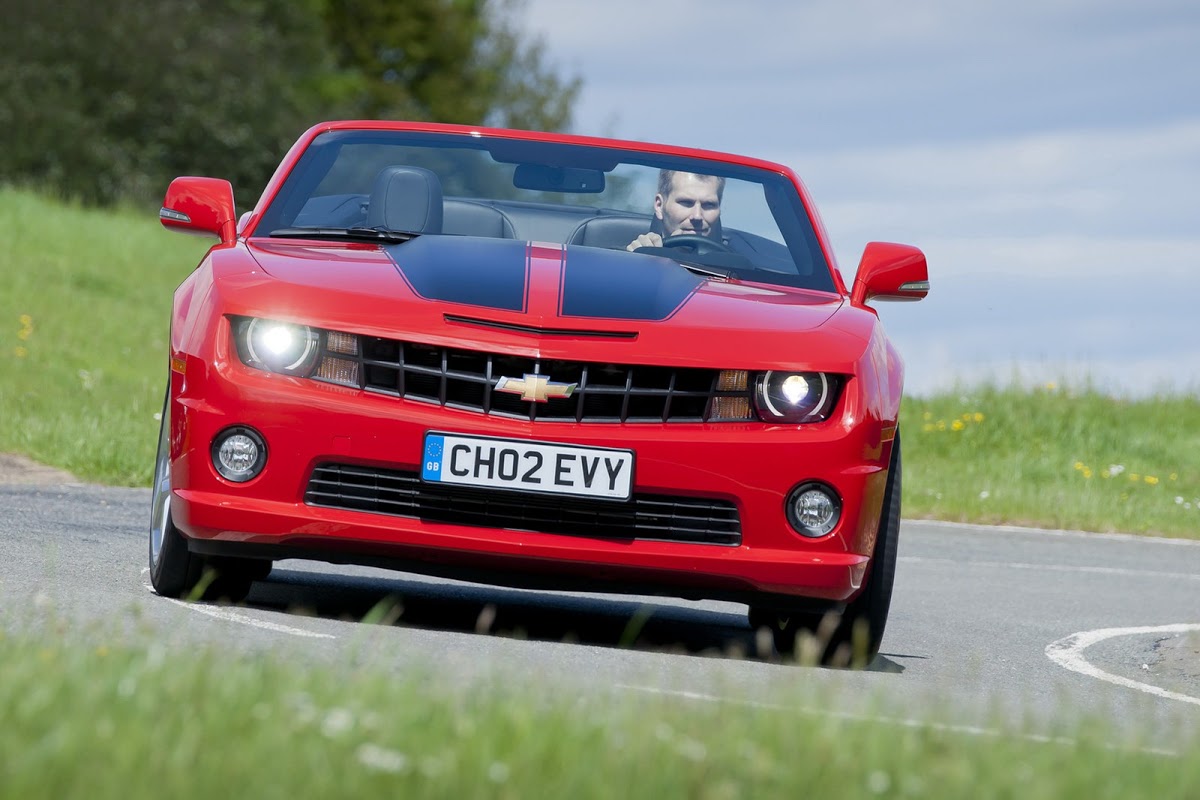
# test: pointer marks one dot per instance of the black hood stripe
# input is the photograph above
(488, 273)
(590, 282)
(611, 284)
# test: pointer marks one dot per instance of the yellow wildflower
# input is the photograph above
(930, 427)
(1051, 386)
(941, 424)
(928, 415)
(1087, 473)
(1133, 476)
(957, 425)
(1150, 479)
(978, 417)
(1078, 465)
(1174, 476)
(20, 352)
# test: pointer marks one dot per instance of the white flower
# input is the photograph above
(878, 782)
(985, 494)
(337, 722)
(372, 756)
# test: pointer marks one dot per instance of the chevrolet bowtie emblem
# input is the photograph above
(535, 388)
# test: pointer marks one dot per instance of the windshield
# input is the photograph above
(736, 221)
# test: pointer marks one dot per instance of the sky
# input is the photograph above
(1045, 155)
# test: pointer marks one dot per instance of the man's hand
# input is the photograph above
(645, 240)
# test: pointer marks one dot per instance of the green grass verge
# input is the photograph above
(1054, 457)
(136, 720)
(83, 349)
(84, 318)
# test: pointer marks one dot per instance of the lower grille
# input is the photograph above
(651, 517)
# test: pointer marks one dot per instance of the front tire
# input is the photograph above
(174, 570)
(854, 636)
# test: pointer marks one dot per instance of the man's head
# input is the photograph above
(688, 203)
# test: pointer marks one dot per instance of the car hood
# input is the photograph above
(487, 292)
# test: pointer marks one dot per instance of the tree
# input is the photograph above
(110, 101)
(447, 61)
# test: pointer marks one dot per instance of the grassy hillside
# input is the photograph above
(1054, 457)
(84, 317)
(83, 327)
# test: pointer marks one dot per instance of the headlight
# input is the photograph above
(277, 346)
(795, 396)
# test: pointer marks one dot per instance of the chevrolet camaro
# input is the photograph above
(536, 360)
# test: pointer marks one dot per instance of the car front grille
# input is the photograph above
(468, 379)
(402, 493)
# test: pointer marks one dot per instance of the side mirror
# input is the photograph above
(890, 272)
(202, 206)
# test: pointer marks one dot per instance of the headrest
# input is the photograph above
(406, 199)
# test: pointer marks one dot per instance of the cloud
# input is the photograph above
(826, 72)
(1068, 201)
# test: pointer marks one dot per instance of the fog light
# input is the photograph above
(239, 454)
(813, 509)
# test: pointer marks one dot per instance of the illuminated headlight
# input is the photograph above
(298, 350)
(795, 396)
(278, 346)
(239, 453)
(813, 509)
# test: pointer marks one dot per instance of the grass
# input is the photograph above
(84, 318)
(1054, 457)
(83, 349)
(95, 719)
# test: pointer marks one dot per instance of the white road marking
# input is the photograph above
(1140, 573)
(231, 615)
(904, 722)
(1068, 652)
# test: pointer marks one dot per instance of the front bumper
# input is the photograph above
(307, 424)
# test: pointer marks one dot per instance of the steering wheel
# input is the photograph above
(696, 241)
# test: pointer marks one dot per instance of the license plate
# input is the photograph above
(527, 466)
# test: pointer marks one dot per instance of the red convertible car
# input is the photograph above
(534, 360)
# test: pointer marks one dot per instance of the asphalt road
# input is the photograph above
(989, 626)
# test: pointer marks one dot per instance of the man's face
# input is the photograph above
(692, 205)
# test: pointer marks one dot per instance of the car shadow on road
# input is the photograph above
(644, 624)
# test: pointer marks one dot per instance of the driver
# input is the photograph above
(686, 202)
